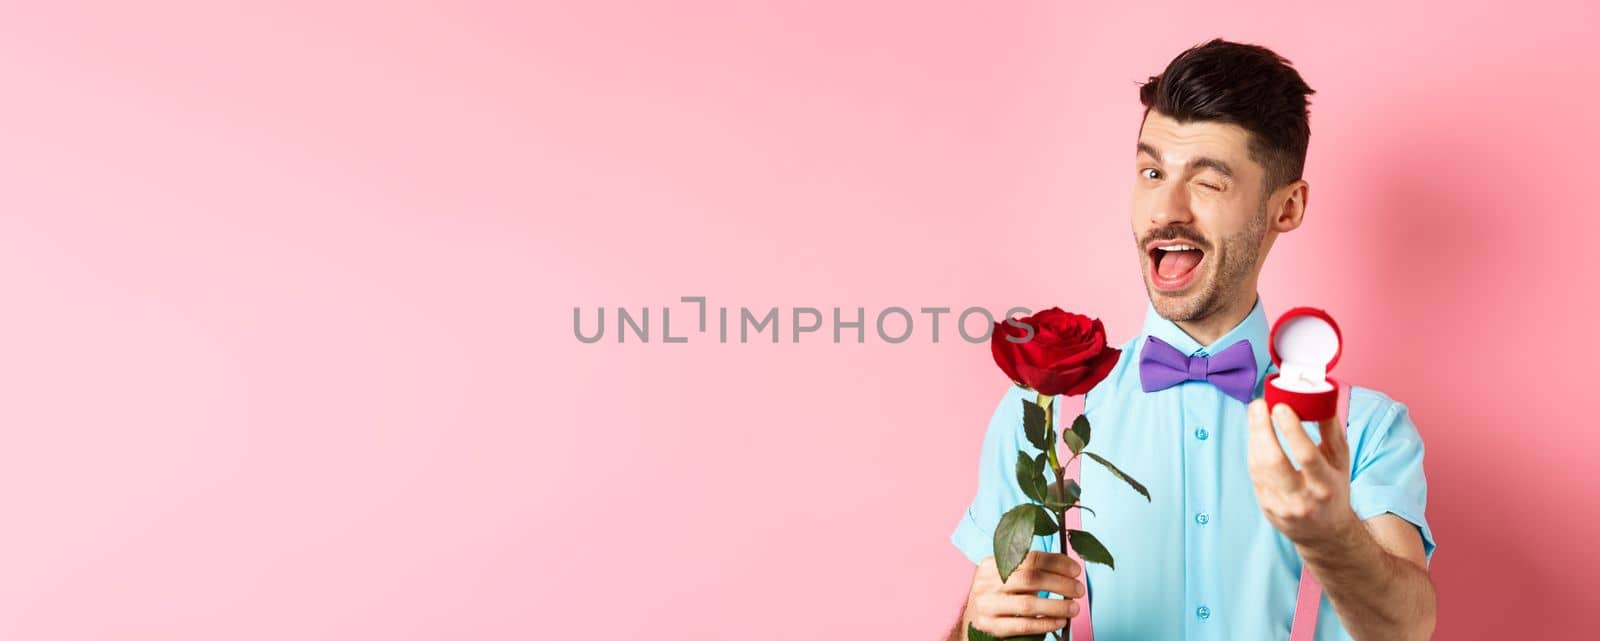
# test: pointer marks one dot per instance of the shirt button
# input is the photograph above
(1202, 434)
(1203, 612)
(1202, 518)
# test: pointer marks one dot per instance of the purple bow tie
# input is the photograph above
(1233, 370)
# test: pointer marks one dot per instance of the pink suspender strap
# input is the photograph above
(1080, 626)
(1307, 602)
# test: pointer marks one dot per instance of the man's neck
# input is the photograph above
(1207, 330)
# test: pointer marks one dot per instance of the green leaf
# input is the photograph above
(1073, 441)
(974, 634)
(1062, 507)
(1044, 523)
(1080, 426)
(1072, 491)
(1090, 548)
(1137, 486)
(1056, 501)
(1034, 425)
(1012, 538)
(1030, 478)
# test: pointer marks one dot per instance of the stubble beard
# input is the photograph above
(1236, 256)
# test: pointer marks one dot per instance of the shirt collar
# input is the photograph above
(1253, 328)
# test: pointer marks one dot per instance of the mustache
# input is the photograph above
(1176, 233)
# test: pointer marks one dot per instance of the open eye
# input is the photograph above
(1150, 173)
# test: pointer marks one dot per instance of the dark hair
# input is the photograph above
(1246, 85)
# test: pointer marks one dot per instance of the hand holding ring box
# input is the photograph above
(1305, 344)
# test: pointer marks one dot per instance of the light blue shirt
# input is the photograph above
(1200, 561)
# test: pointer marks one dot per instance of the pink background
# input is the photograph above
(288, 350)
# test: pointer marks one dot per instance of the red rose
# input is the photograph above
(1067, 353)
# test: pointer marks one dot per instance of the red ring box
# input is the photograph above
(1305, 344)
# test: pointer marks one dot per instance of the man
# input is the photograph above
(1218, 552)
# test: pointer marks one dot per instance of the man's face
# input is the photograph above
(1199, 215)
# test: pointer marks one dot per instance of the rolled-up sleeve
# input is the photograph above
(997, 490)
(1386, 474)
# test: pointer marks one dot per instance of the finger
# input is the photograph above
(1268, 465)
(1006, 627)
(1305, 452)
(1335, 443)
(1034, 580)
(1030, 605)
(1045, 572)
(1053, 562)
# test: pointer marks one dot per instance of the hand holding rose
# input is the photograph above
(1013, 607)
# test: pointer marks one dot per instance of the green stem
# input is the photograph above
(1061, 482)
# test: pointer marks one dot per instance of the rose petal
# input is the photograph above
(1097, 372)
(1005, 352)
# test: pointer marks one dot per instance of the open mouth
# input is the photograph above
(1173, 264)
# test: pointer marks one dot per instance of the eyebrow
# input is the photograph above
(1202, 161)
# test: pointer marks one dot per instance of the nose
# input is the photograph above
(1171, 205)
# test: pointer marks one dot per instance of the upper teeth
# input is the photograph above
(1177, 248)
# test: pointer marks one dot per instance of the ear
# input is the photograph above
(1289, 206)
